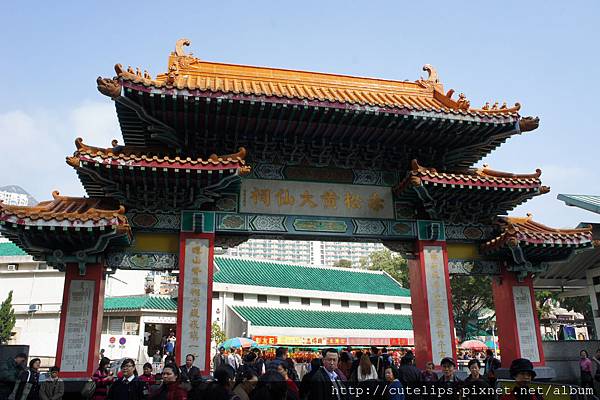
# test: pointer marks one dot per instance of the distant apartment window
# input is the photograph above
(305, 301)
(284, 300)
(397, 306)
(238, 296)
(216, 295)
(42, 266)
(345, 303)
(115, 326)
(325, 302)
(596, 280)
(262, 298)
(131, 325)
(363, 304)
(381, 306)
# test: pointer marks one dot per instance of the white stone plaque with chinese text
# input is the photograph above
(265, 196)
(195, 300)
(78, 326)
(528, 340)
(437, 298)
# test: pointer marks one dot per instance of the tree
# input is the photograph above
(7, 319)
(545, 300)
(343, 263)
(471, 294)
(216, 334)
(394, 264)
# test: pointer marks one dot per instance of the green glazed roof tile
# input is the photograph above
(9, 249)
(293, 276)
(323, 319)
(146, 302)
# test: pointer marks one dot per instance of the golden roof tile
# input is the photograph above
(148, 156)
(188, 73)
(482, 177)
(106, 211)
(515, 230)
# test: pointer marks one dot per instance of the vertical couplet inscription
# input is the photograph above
(78, 326)
(528, 340)
(195, 300)
(437, 299)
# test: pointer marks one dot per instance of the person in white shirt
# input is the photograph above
(366, 370)
(234, 359)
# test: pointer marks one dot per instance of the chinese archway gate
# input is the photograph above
(215, 153)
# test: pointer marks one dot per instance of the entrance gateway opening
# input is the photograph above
(213, 154)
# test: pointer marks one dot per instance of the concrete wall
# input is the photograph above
(235, 326)
(563, 357)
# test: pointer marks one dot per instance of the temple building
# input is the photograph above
(213, 154)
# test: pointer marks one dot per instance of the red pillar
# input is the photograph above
(431, 298)
(80, 321)
(194, 302)
(517, 322)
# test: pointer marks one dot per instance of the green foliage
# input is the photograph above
(7, 319)
(545, 300)
(394, 264)
(217, 334)
(343, 263)
(471, 294)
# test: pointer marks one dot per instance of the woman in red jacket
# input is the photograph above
(170, 389)
(103, 378)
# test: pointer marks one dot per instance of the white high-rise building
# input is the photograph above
(13, 199)
(314, 253)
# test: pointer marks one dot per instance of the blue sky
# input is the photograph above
(541, 54)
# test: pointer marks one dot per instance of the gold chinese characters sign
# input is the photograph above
(265, 196)
(195, 300)
(437, 299)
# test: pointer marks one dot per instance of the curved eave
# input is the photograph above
(425, 109)
(501, 243)
(481, 184)
(162, 164)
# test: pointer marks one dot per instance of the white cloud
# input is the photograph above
(35, 144)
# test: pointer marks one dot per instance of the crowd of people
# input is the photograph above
(339, 375)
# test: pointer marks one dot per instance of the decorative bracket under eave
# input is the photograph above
(527, 124)
(428, 201)
(59, 260)
(521, 266)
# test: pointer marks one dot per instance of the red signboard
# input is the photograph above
(265, 340)
(337, 341)
(399, 341)
(380, 342)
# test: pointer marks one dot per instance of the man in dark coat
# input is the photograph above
(409, 375)
(129, 386)
(491, 364)
(449, 386)
(10, 370)
(325, 383)
(189, 372)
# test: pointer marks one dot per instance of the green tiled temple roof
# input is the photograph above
(323, 319)
(144, 302)
(9, 249)
(293, 276)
